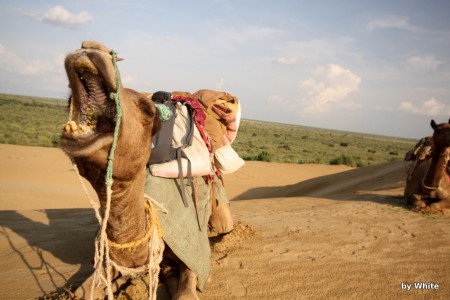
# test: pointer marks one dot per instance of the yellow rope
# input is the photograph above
(152, 221)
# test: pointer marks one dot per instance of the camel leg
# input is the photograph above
(180, 281)
(187, 286)
(169, 274)
(416, 201)
(221, 221)
(442, 204)
(84, 290)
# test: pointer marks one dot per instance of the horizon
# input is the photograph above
(255, 120)
(380, 68)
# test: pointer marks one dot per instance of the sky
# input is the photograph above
(380, 67)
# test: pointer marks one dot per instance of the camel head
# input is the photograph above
(441, 135)
(87, 136)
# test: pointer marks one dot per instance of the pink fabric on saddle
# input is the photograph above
(198, 114)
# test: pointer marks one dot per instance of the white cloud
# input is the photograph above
(428, 62)
(328, 88)
(430, 107)
(316, 51)
(11, 62)
(27, 76)
(391, 22)
(60, 16)
(279, 101)
(290, 61)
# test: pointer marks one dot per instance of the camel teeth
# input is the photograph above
(74, 130)
(73, 126)
(85, 128)
(66, 128)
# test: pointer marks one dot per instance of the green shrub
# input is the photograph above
(343, 160)
(55, 140)
(285, 146)
(31, 121)
(263, 156)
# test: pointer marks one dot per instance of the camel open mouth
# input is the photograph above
(92, 113)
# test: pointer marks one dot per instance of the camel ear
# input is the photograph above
(433, 124)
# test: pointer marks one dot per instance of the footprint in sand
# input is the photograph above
(235, 287)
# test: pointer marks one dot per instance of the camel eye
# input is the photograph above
(148, 108)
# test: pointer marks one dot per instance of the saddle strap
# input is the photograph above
(181, 154)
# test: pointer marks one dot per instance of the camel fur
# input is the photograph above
(87, 139)
(428, 187)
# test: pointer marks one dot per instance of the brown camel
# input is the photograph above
(88, 138)
(428, 187)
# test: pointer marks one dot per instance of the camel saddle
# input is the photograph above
(421, 151)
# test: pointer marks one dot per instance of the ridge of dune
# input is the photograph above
(381, 176)
(259, 180)
(290, 180)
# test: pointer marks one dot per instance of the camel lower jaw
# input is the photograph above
(86, 144)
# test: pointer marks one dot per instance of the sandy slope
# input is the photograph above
(303, 232)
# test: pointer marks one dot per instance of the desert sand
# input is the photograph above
(302, 232)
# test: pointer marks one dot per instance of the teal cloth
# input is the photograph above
(164, 112)
(180, 227)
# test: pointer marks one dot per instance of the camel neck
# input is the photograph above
(127, 203)
(127, 222)
(436, 171)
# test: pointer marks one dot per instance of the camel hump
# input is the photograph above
(421, 150)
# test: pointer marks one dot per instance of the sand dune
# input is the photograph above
(374, 178)
(302, 232)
